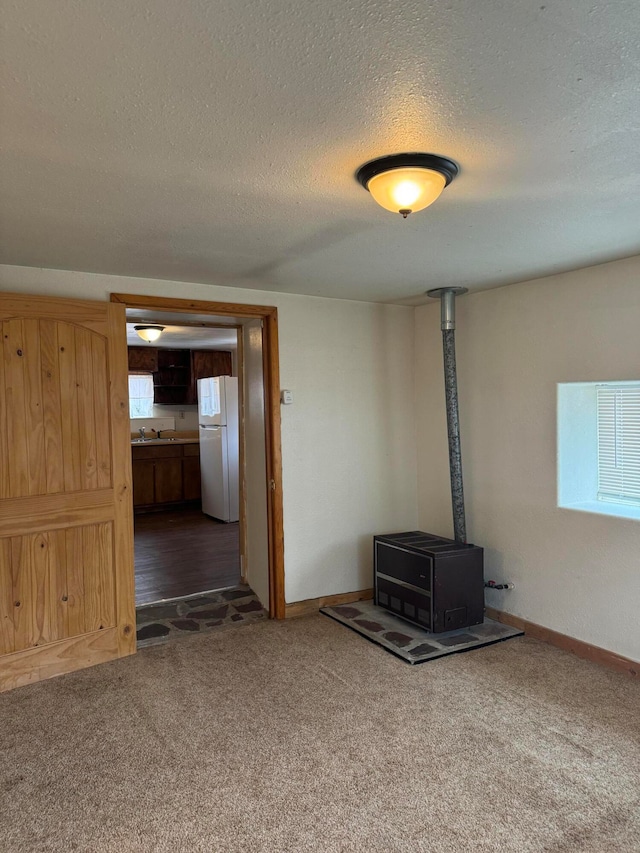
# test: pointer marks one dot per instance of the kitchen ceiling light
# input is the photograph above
(149, 333)
(405, 183)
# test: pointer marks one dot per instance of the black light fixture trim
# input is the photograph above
(445, 167)
(141, 328)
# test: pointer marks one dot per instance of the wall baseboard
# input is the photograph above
(569, 644)
(312, 605)
(577, 647)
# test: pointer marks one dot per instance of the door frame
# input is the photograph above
(271, 378)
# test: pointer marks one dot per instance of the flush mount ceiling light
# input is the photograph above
(405, 183)
(149, 333)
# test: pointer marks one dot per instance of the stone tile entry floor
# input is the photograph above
(158, 623)
(411, 643)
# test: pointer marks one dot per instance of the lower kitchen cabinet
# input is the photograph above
(191, 476)
(143, 482)
(168, 481)
(165, 474)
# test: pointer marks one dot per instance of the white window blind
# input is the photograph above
(619, 443)
(140, 395)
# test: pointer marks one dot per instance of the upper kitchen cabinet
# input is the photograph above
(176, 371)
(206, 363)
(210, 363)
(172, 378)
(143, 359)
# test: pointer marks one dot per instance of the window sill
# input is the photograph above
(605, 508)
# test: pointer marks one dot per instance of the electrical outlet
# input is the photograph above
(181, 415)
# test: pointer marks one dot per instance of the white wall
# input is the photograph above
(189, 421)
(168, 417)
(348, 442)
(575, 572)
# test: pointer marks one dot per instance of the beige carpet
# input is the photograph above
(302, 736)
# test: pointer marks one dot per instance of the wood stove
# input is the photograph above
(430, 581)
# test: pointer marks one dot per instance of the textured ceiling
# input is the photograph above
(216, 140)
(186, 337)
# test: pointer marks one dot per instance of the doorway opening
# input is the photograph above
(205, 449)
(185, 440)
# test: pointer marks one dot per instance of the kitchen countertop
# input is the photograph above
(136, 442)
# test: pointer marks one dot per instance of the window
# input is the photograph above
(599, 447)
(140, 395)
(619, 443)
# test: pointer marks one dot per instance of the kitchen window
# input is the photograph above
(140, 395)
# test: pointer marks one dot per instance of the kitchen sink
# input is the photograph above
(154, 440)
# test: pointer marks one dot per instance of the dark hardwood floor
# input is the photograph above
(181, 552)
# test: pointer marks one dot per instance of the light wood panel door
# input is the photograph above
(66, 519)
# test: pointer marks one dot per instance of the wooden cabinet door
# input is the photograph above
(144, 359)
(66, 521)
(143, 486)
(168, 480)
(210, 363)
(206, 363)
(191, 476)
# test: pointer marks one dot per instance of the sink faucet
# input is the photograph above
(141, 431)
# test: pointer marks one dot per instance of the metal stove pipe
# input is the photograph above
(447, 296)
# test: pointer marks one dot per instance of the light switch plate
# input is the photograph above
(286, 397)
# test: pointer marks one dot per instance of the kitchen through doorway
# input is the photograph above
(261, 531)
(185, 410)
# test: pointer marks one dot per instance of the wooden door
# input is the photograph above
(66, 521)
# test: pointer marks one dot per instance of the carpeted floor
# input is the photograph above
(302, 736)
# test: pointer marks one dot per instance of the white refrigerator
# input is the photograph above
(219, 447)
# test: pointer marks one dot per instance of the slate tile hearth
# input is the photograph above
(413, 644)
(159, 623)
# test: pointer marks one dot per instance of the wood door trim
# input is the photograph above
(271, 376)
(579, 648)
(241, 457)
(56, 511)
(58, 657)
(192, 306)
(271, 368)
(123, 484)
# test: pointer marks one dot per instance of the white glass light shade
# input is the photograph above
(406, 189)
(149, 333)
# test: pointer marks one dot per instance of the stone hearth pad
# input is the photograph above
(413, 644)
(159, 623)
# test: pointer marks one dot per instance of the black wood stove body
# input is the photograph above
(432, 582)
